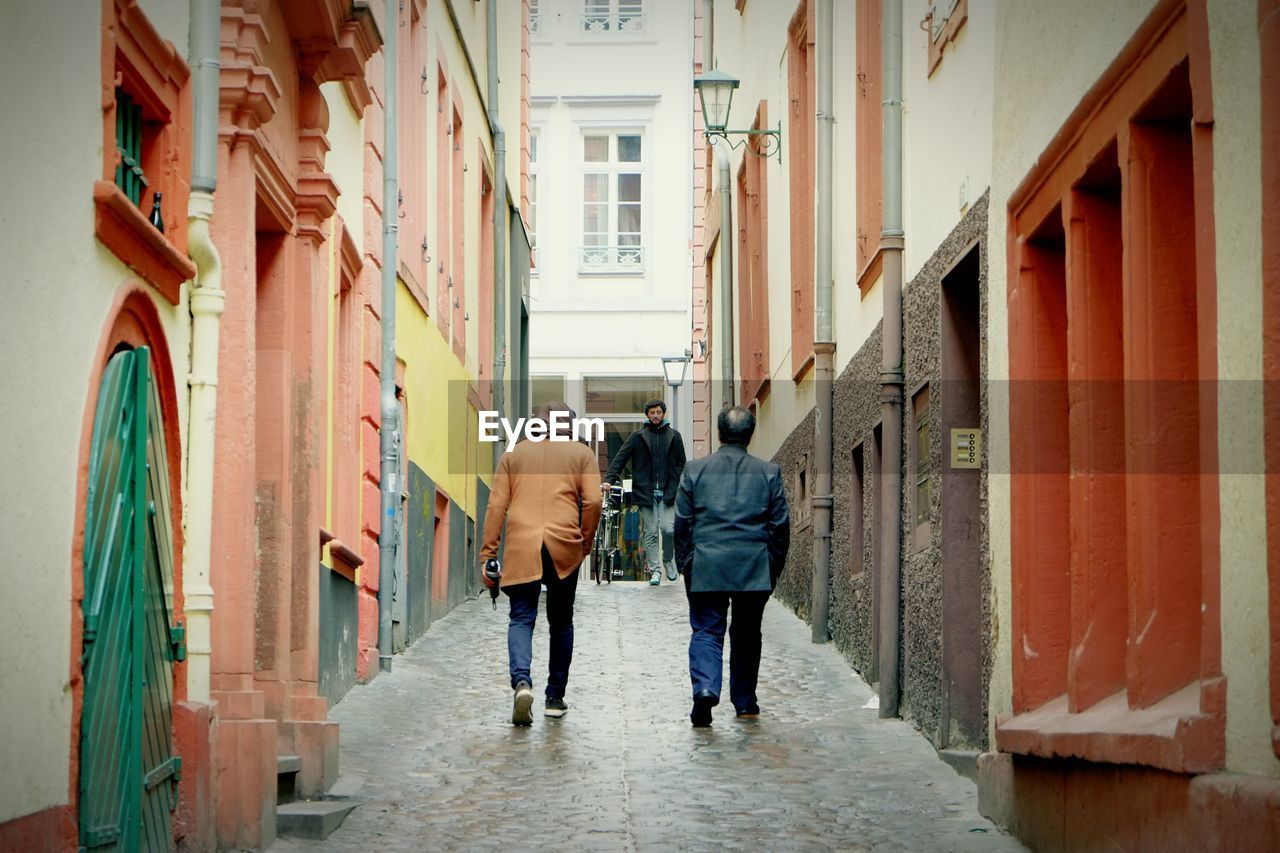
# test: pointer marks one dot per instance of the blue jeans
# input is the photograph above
(664, 519)
(708, 615)
(524, 613)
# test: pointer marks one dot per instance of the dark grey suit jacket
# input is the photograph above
(732, 526)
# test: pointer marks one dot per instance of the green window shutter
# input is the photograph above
(129, 175)
(128, 771)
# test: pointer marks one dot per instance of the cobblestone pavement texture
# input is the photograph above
(439, 766)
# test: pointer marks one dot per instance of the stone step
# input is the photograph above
(314, 819)
(964, 762)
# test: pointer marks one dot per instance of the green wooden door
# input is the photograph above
(128, 771)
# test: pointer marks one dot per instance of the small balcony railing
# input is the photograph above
(611, 259)
(626, 18)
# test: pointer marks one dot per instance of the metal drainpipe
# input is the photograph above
(727, 342)
(499, 216)
(207, 300)
(708, 34)
(824, 346)
(891, 244)
(389, 428)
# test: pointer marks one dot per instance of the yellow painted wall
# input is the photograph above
(441, 429)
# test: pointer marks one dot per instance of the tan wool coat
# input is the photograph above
(537, 491)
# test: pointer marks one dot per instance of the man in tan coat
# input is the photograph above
(548, 494)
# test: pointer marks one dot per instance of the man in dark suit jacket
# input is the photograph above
(732, 530)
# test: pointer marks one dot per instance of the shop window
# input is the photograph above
(141, 200)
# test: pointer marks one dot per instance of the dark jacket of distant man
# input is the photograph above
(656, 454)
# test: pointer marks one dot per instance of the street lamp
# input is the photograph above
(674, 368)
(715, 92)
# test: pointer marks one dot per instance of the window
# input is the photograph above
(753, 270)
(619, 402)
(620, 395)
(129, 130)
(613, 16)
(945, 19)
(800, 155)
(612, 202)
(869, 144)
(1111, 247)
(546, 389)
(146, 144)
(922, 465)
(800, 491)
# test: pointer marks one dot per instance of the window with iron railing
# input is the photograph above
(613, 16)
(129, 128)
(612, 203)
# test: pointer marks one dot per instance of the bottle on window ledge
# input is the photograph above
(156, 220)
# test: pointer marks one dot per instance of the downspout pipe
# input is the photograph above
(500, 215)
(708, 34)
(206, 300)
(824, 346)
(389, 431)
(727, 343)
(891, 245)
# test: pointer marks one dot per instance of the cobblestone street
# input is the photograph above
(432, 752)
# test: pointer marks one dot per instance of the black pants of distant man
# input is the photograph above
(708, 617)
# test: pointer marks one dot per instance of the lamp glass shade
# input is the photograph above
(715, 90)
(674, 366)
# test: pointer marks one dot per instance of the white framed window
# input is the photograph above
(612, 16)
(612, 202)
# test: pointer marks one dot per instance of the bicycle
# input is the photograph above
(606, 557)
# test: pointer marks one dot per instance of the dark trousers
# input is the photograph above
(524, 613)
(708, 616)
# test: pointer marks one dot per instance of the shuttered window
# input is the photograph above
(129, 175)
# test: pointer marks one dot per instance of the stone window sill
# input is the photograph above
(1174, 734)
(122, 228)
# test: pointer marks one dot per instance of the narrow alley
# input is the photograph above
(430, 751)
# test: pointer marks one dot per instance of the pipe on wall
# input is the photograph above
(891, 244)
(500, 216)
(207, 301)
(727, 343)
(824, 346)
(389, 428)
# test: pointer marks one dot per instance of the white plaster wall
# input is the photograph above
(1047, 56)
(345, 160)
(620, 324)
(59, 283)
(946, 128)
(1235, 68)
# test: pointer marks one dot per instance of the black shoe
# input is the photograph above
(556, 707)
(752, 710)
(703, 702)
(522, 710)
